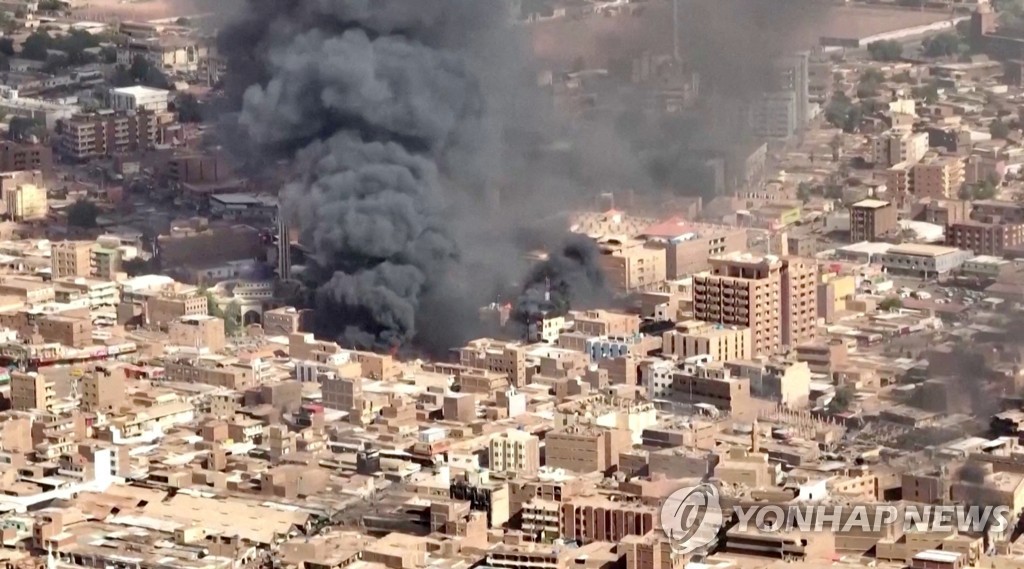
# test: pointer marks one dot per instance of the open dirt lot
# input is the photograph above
(144, 10)
(595, 39)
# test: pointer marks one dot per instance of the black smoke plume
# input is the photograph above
(390, 113)
(568, 277)
(971, 473)
(419, 157)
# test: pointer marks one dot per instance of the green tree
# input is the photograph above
(7, 47)
(36, 46)
(885, 50)
(872, 75)
(83, 213)
(231, 314)
(232, 319)
(52, 5)
(143, 72)
(986, 190)
(189, 109)
(928, 92)
(121, 77)
(108, 54)
(20, 128)
(943, 45)
(842, 399)
(998, 129)
(890, 303)
(803, 192)
(866, 90)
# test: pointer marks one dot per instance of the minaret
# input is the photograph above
(755, 443)
(284, 253)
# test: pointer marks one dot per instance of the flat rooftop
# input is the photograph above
(870, 203)
(922, 250)
(599, 39)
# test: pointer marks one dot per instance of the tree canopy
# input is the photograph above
(999, 129)
(83, 213)
(943, 45)
(189, 109)
(37, 46)
(890, 303)
(885, 50)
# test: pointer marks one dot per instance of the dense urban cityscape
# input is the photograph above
(511, 284)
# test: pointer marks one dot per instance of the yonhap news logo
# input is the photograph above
(692, 516)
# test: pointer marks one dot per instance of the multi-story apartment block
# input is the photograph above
(776, 298)
(938, 178)
(897, 146)
(515, 452)
(15, 157)
(26, 202)
(985, 238)
(719, 342)
(32, 391)
(774, 115)
(106, 133)
(688, 245)
(71, 259)
(632, 265)
(871, 220)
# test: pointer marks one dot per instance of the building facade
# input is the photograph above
(108, 133)
(871, 220)
(985, 238)
(71, 259)
(776, 298)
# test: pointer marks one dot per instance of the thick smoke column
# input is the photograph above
(972, 473)
(384, 108)
(567, 276)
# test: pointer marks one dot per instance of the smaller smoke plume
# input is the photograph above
(569, 277)
(971, 473)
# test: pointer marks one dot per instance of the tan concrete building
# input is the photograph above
(216, 372)
(722, 342)
(103, 388)
(938, 178)
(651, 551)
(71, 259)
(508, 358)
(776, 298)
(592, 518)
(631, 264)
(898, 178)
(896, 146)
(107, 133)
(941, 212)
(688, 245)
(26, 202)
(871, 220)
(285, 320)
(198, 332)
(985, 238)
(31, 391)
(584, 448)
(799, 301)
(604, 323)
(712, 384)
(170, 305)
(106, 262)
(66, 330)
(514, 452)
